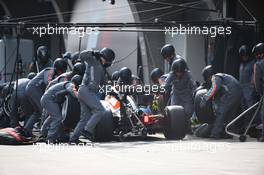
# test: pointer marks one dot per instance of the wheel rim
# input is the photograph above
(8, 106)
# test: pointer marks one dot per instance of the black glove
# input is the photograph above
(60, 96)
(41, 85)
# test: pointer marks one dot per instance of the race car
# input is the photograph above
(125, 118)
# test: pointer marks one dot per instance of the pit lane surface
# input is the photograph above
(153, 156)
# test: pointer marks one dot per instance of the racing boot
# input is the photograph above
(88, 135)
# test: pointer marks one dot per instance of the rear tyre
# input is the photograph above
(175, 123)
(70, 112)
(206, 114)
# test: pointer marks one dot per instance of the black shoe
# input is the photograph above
(29, 134)
(203, 131)
(64, 138)
(74, 142)
(88, 135)
(224, 136)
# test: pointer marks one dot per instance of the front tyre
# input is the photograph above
(175, 123)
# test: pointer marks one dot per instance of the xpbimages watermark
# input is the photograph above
(131, 89)
(61, 147)
(54, 30)
(211, 31)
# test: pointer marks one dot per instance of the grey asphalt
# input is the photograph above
(154, 156)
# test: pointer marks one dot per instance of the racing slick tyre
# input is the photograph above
(7, 107)
(206, 114)
(105, 128)
(175, 123)
(70, 112)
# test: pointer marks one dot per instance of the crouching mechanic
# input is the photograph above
(36, 88)
(259, 83)
(51, 101)
(78, 69)
(225, 93)
(88, 94)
